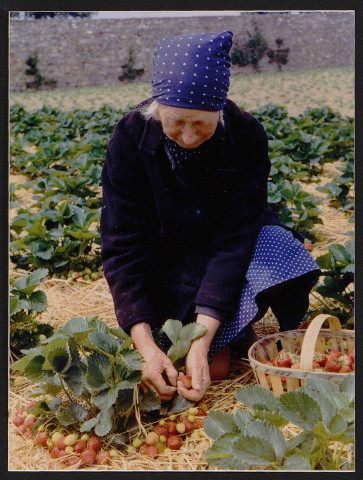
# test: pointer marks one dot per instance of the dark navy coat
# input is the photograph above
(170, 245)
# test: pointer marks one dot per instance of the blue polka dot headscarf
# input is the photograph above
(192, 70)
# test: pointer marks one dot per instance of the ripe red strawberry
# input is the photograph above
(94, 444)
(198, 423)
(201, 412)
(188, 425)
(79, 446)
(296, 366)
(152, 451)
(332, 366)
(351, 354)
(344, 360)
(283, 361)
(174, 442)
(308, 246)
(334, 355)
(186, 381)
(345, 369)
(171, 426)
(41, 438)
(162, 430)
(54, 452)
(316, 365)
(88, 456)
(18, 420)
(103, 458)
(321, 358)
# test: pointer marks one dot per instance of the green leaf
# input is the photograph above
(347, 385)
(320, 430)
(339, 253)
(220, 454)
(88, 425)
(65, 418)
(172, 329)
(14, 305)
(33, 369)
(74, 378)
(149, 402)
(104, 342)
(118, 332)
(273, 417)
(300, 409)
(328, 409)
(192, 331)
(324, 261)
(133, 379)
(264, 430)
(296, 462)
(106, 398)
(256, 396)
(28, 283)
(97, 364)
(125, 398)
(179, 404)
(47, 389)
(179, 350)
(297, 440)
(104, 424)
(55, 404)
(60, 359)
(77, 411)
(217, 424)
(76, 325)
(325, 387)
(341, 400)
(131, 358)
(23, 362)
(338, 425)
(242, 417)
(37, 301)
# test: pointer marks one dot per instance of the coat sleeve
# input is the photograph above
(243, 202)
(125, 251)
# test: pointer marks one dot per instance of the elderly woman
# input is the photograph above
(186, 230)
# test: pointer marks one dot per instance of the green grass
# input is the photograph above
(296, 90)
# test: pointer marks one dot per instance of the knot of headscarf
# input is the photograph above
(192, 70)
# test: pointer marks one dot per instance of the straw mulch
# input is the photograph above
(67, 300)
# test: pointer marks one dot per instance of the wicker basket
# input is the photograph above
(303, 341)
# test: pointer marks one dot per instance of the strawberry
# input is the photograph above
(103, 458)
(332, 366)
(41, 438)
(320, 358)
(188, 425)
(186, 381)
(94, 444)
(79, 446)
(296, 366)
(344, 360)
(351, 354)
(162, 430)
(345, 369)
(88, 456)
(283, 361)
(152, 451)
(174, 442)
(18, 420)
(171, 426)
(198, 423)
(201, 412)
(54, 452)
(72, 460)
(316, 365)
(334, 355)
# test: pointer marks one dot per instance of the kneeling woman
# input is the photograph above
(185, 226)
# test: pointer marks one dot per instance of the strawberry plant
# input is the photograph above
(252, 439)
(26, 302)
(338, 276)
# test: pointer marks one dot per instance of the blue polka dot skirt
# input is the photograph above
(278, 256)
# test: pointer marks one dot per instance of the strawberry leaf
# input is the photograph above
(104, 424)
(296, 462)
(28, 283)
(256, 396)
(172, 328)
(273, 417)
(217, 424)
(34, 368)
(338, 425)
(60, 359)
(104, 342)
(88, 425)
(149, 402)
(178, 404)
(264, 430)
(347, 386)
(37, 301)
(74, 379)
(106, 398)
(131, 359)
(178, 350)
(300, 409)
(220, 454)
(192, 331)
(242, 417)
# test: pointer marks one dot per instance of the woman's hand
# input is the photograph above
(156, 364)
(197, 361)
(197, 367)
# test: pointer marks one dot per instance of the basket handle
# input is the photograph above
(311, 336)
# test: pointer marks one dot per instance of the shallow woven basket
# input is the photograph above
(302, 341)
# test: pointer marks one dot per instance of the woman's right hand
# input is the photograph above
(156, 363)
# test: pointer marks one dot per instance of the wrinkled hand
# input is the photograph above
(156, 363)
(197, 367)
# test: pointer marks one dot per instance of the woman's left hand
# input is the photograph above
(197, 367)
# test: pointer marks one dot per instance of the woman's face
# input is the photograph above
(188, 127)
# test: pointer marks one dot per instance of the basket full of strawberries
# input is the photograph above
(281, 362)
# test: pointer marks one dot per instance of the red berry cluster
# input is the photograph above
(70, 447)
(167, 435)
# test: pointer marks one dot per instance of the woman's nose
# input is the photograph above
(189, 136)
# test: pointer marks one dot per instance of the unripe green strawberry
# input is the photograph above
(71, 439)
(173, 418)
(162, 422)
(69, 449)
(85, 437)
(180, 427)
(193, 411)
(56, 436)
(191, 418)
(162, 438)
(137, 442)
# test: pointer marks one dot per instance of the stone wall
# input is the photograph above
(89, 52)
